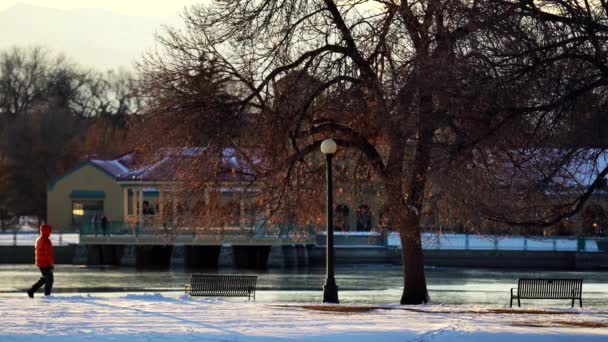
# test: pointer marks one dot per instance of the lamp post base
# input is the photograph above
(330, 291)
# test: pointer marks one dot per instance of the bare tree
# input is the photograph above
(7, 200)
(430, 97)
(552, 167)
(27, 76)
(47, 107)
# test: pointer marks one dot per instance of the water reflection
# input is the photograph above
(359, 284)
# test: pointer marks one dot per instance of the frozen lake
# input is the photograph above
(374, 284)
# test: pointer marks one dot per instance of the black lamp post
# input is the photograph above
(330, 289)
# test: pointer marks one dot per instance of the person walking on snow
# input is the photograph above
(44, 261)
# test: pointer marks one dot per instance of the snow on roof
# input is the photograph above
(113, 167)
(160, 170)
(165, 168)
(126, 159)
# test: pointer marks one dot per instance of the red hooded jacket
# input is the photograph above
(44, 247)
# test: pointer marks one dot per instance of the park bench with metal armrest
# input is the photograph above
(222, 285)
(548, 289)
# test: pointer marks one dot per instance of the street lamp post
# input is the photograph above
(330, 289)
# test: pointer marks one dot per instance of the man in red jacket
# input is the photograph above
(44, 261)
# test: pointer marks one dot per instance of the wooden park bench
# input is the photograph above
(548, 289)
(222, 285)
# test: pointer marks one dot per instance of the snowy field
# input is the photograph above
(155, 317)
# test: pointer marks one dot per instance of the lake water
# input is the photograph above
(373, 284)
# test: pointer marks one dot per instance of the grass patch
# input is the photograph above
(553, 324)
(334, 308)
(531, 312)
(492, 311)
(363, 309)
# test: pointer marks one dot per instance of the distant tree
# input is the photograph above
(35, 142)
(114, 94)
(7, 200)
(26, 76)
(448, 101)
(104, 137)
(54, 114)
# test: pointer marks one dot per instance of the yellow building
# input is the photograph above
(108, 196)
(98, 188)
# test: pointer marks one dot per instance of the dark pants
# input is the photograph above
(46, 280)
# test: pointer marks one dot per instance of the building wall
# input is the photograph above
(89, 178)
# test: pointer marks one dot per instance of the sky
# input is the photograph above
(99, 34)
(129, 7)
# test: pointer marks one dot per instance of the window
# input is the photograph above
(84, 210)
(364, 219)
(148, 209)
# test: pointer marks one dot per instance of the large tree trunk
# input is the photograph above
(414, 282)
(414, 289)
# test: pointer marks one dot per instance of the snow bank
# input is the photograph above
(432, 241)
(154, 317)
(29, 239)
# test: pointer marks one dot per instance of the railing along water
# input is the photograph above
(309, 234)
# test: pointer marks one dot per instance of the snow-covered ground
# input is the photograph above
(155, 317)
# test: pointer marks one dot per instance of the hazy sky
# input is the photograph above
(131, 7)
(94, 33)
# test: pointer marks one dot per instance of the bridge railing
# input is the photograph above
(109, 228)
(310, 234)
(119, 228)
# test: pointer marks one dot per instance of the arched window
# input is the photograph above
(341, 218)
(364, 218)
